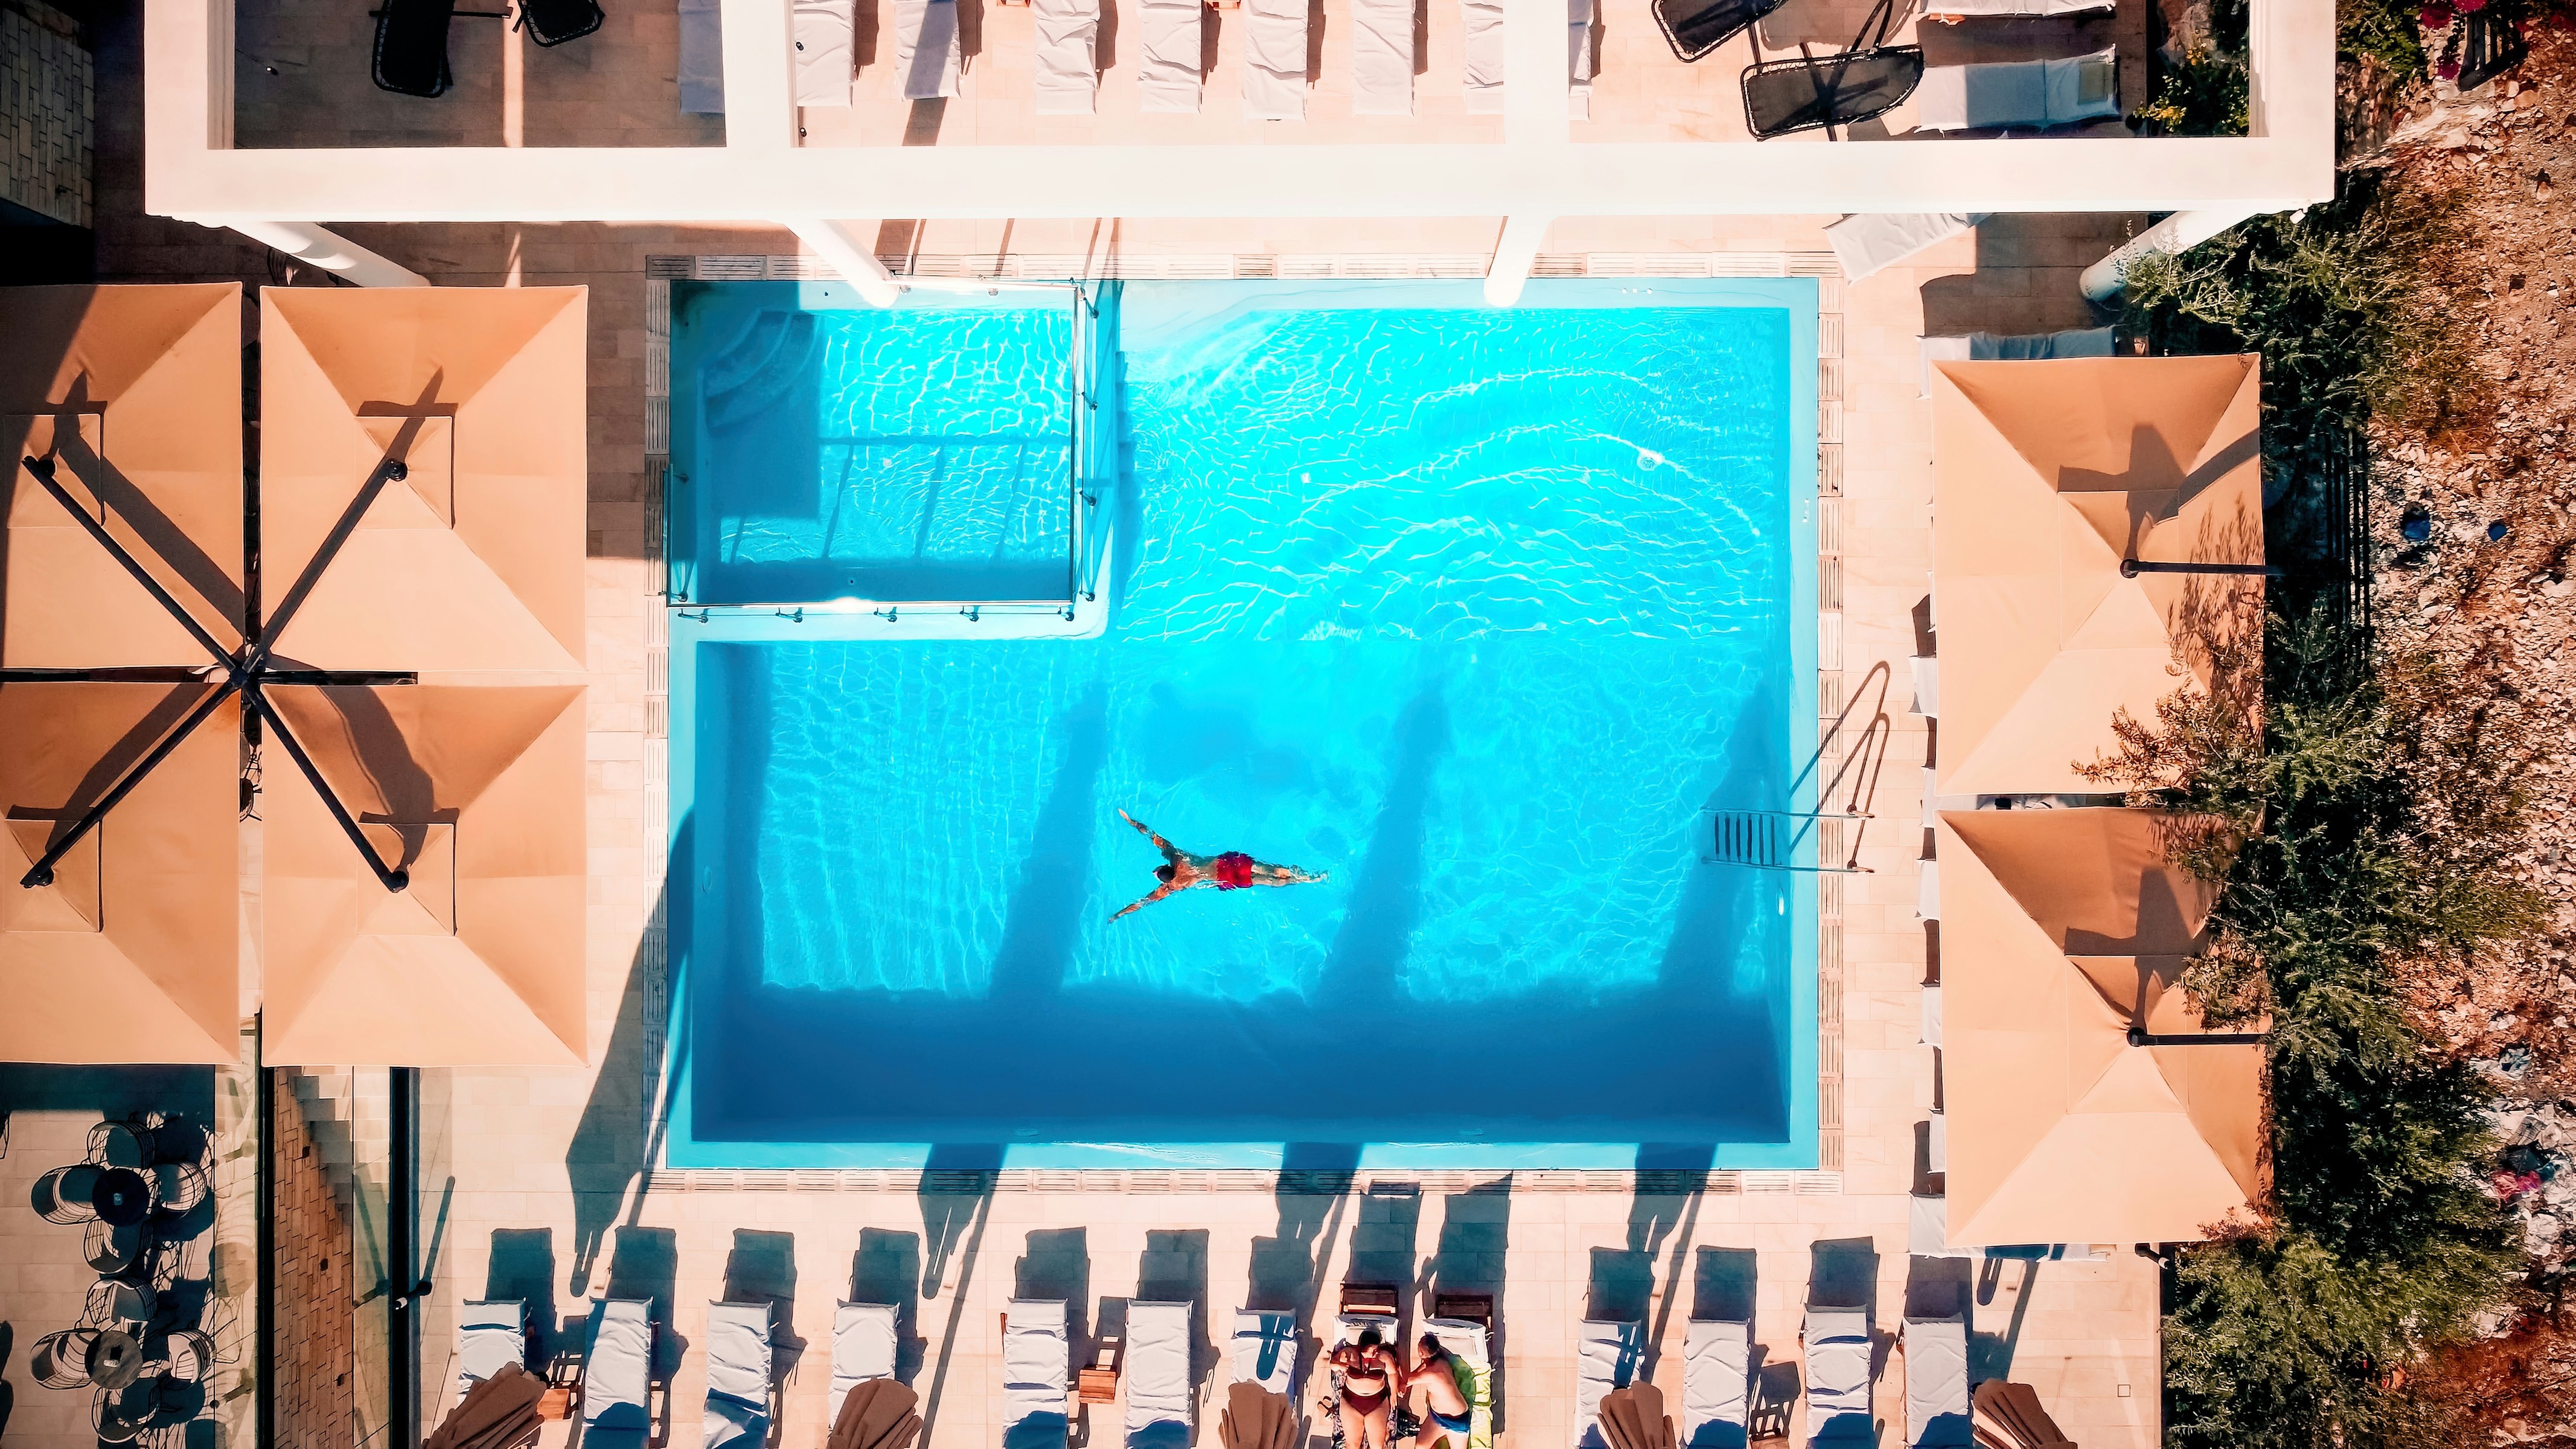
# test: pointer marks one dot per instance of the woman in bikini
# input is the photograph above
(1370, 1378)
(1431, 1385)
(1231, 871)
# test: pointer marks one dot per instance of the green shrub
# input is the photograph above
(2207, 95)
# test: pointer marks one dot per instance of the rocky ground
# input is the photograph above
(2476, 524)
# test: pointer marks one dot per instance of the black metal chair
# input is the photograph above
(1695, 27)
(120, 1144)
(120, 1416)
(180, 1187)
(552, 22)
(411, 47)
(60, 1360)
(62, 1195)
(112, 1251)
(1859, 83)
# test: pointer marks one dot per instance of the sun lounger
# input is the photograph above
(1931, 1010)
(1382, 57)
(2028, 93)
(1695, 27)
(617, 1376)
(738, 1375)
(1936, 1383)
(1264, 1350)
(1927, 1228)
(1159, 1401)
(1607, 1355)
(2008, 9)
(1068, 57)
(1167, 79)
(490, 1336)
(1274, 60)
(1936, 1144)
(552, 22)
(1470, 1345)
(1927, 906)
(1484, 80)
(1864, 80)
(1838, 1397)
(701, 59)
(1927, 686)
(1717, 1378)
(1037, 1371)
(1874, 241)
(863, 1348)
(2025, 347)
(822, 30)
(925, 48)
(411, 47)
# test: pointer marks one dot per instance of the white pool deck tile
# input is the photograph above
(558, 1152)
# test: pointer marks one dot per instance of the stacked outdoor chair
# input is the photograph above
(411, 37)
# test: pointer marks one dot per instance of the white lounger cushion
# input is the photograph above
(1874, 241)
(1931, 1025)
(1608, 1354)
(2018, 347)
(1068, 57)
(823, 71)
(1037, 1364)
(1158, 1376)
(1936, 1383)
(1838, 1402)
(1167, 79)
(2019, 93)
(1717, 1376)
(490, 1336)
(2013, 8)
(1274, 60)
(863, 1348)
(1461, 1336)
(701, 58)
(1382, 57)
(1484, 80)
(617, 1371)
(738, 1368)
(1927, 905)
(1927, 685)
(1265, 1350)
(1580, 63)
(925, 48)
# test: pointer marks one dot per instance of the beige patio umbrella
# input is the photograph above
(130, 397)
(473, 794)
(472, 558)
(131, 952)
(2062, 931)
(2053, 482)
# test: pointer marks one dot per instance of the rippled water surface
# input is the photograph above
(1472, 610)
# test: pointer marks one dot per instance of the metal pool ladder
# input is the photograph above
(1767, 839)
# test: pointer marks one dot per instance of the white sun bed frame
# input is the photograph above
(1037, 1370)
(1608, 1353)
(2018, 347)
(491, 1335)
(863, 1348)
(739, 1363)
(1717, 1380)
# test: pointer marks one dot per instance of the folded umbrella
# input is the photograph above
(2009, 1416)
(877, 1414)
(1256, 1418)
(498, 1413)
(1634, 1418)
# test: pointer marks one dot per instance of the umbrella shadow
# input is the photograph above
(1376, 934)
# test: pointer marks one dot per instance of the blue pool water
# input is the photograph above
(1471, 610)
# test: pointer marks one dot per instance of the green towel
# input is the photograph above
(1477, 1385)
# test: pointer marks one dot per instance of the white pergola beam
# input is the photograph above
(1538, 170)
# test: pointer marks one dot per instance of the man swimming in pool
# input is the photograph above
(1231, 871)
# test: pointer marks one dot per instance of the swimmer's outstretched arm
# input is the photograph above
(1159, 893)
(1160, 844)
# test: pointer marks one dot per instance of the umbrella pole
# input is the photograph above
(390, 470)
(2130, 568)
(392, 880)
(42, 872)
(43, 468)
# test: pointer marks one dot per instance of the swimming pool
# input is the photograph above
(1471, 610)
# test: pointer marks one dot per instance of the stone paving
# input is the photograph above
(540, 1179)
